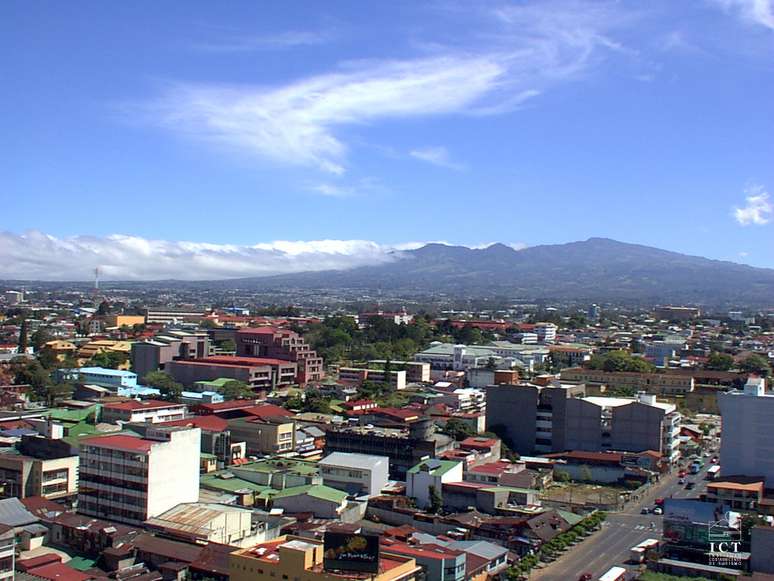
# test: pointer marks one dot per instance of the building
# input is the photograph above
(426, 479)
(317, 499)
(265, 435)
(13, 297)
(569, 354)
(215, 438)
(149, 410)
(747, 414)
(356, 474)
(676, 313)
(118, 321)
(275, 343)
(558, 417)
(110, 378)
(439, 563)
(357, 376)
(546, 332)
(501, 354)
(257, 372)
(302, 559)
(7, 552)
(131, 479)
(22, 476)
(657, 383)
(169, 316)
(399, 318)
(169, 346)
(202, 523)
(416, 371)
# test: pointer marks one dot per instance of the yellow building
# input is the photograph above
(62, 349)
(301, 559)
(124, 320)
(91, 348)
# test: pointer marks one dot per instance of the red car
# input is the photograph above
(585, 577)
(659, 502)
(682, 473)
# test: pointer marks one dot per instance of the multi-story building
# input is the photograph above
(416, 371)
(149, 410)
(546, 332)
(13, 297)
(265, 435)
(358, 474)
(172, 345)
(7, 552)
(746, 448)
(170, 316)
(302, 559)
(22, 476)
(677, 313)
(426, 479)
(282, 344)
(257, 372)
(357, 376)
(110, 378)
(558, 417)
(655, 383)
(131, 479)
(504, 354)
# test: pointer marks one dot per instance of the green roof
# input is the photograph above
(315, 490)
(213, 482)
(219, 382)
(68, 415)
(281, 465)
(81, 563)
(571, 518)
(441, 467)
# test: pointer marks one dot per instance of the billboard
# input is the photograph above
(351, 552)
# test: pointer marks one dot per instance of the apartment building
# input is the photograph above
(172, 345)
(357, 376)
(546, 332)
(655, 383)
(746, 448)
(265, 435)
(559, 417)
(302, 559)
(358, 474)
(22, 476)
(7, 552)
(131, 479)
(110, 378)
(275, 343)
(170, 316)
(149, 410)
(257, 372)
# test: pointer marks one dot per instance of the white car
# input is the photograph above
(658, 510)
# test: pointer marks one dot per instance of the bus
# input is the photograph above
(637, 552)
(614, 574)
(713, 472)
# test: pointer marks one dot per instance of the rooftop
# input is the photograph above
(134, 404)
(352, 460)
(120, 442)
(434, 466)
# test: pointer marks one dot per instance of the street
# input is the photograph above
(622, 531)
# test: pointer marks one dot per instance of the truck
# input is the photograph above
(637, 553)
(694, 469)
(713, 472)
(614, 574)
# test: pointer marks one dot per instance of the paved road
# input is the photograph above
(622, 530)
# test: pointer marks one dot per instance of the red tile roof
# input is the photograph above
(478, 443)
(497, 468)
(25, 565)
(59, 572)
(120, 442)
(210, 423)
(225, 406)
(268, 411)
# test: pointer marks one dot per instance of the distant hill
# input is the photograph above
(596, 269)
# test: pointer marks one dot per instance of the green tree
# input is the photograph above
(33, 374)
(458, 429)
(755, 363)
(39, 338)
(58, 391)
(23, 339)
(163, 381)
(103, 309)
(436, 502)
(720, 361)
(48, 358)
(109, 359)
(228, 345)
(237, 390)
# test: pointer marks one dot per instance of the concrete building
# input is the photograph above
(427, 478)
(503, 354)
(546, 332)
(268, 435)
(22, 476)
(257, 372)
(13, 297)
(416, 371)
(357, 376)
(746, 448)
(110, 378)
(169, 346)
(7, 552)
(275, 343)
(202, 523)
(301, 559)
(170, 316)
(149, 410)
(656, 383)
(439, 563)
(677, 313)
(357, 474)
(131, 479)
(320, 500)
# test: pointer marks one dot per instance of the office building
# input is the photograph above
(257, 372)
(265, 435)
(149, 410)
(416, 371)
(546, 332)
(426, 479)
(275, 343)
(131, 479)
(667, 384)
(357, 376)
(169, 346)
(13, 297)
(113, 379)
(677, 313)
(357, 474)
(504, 354)
(170, 316)
(23, 475)
(746, 448)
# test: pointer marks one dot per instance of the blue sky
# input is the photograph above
(184, 139)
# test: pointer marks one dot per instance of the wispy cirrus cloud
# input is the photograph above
(437, 155)
(279, 41)
(757, 209)
(759, 12)
(525, 51)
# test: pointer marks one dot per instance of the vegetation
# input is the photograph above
(620, 361)
(436, 503)
(755, 363)
(236, 390)
(109, 359)
(23, 339)
(720, 361)
(170, 390)
(32, 373)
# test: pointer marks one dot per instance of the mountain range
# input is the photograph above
(597, 269)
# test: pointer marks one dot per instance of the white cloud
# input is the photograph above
(760, 12)
(282, 40)
(300, 122)
(38, 256)
(435, 155)
(332, 191)
(757, 209)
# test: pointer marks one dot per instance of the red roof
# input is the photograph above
(238, 361)
(120, 442)
(478, 443)
(59, 572)
(399, 413)
(428, 551)
(25, 565)
(268, 411)
(492, 468)
(210, 423)
(148, 404)
(225, 406)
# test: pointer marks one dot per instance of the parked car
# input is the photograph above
(690, 486)
(645, 510)
(682, 473)
(585, 577)
(658, 510)
(681, 481)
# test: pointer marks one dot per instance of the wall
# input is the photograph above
(502, 400)
(173, 471)
(637, 427)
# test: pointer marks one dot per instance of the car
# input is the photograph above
(690, 486)
(681, 481)
(659, 502)
(682, 473)
(645, 510)
(658, 510)
(585, 577)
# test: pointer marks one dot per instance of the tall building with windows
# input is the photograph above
(284, 344)
(746, 448)
(131, 479)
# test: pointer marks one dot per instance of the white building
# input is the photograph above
(106, 377)
(131, 479)
(504, 354)
(359, 474)
(145, 411)
(546, 332)
(747, 448)
(428, 477)
(13, 297)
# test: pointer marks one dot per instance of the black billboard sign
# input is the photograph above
(351, 552)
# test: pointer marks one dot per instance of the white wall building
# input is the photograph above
(360, 474)
(131, 479)
(145, 411)
(747, 448)
(428, 475)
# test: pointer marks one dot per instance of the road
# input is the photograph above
(622, 530)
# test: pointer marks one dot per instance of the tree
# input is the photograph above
(720, 361)
(33, 374)
(23, 339)
(109, 359)
(58, 391)
(169, 388)
(48, 358)
(458, 429)
(228, 345)
(436, 502)
(619, 360)
(103, 309)
(40, 338)
(755, 363)
(236, 390)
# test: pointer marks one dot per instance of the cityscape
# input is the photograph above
(441, 291)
